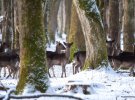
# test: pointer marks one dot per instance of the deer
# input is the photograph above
(3, 47)
(14, 65)
(123, 59)
(59, 48)
(124, 62)
(8, 60)
(5, 51)
(60, 59)
(79, 59)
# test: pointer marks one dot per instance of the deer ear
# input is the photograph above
(65, 43)
(113, 40)
(57, 42)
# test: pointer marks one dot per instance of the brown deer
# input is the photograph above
(3, 47)
(59, 48)
(79, 59)
(8, 60)
(123, 59)
(59, 58)
(14, 69)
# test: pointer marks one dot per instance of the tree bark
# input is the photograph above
(129, 24)
(75, 34)
(96, 52)
(105, 16)
(33, 69)
(52, 23)
(114, 22)
(68, 7)
(7, 28)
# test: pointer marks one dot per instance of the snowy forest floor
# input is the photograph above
(103, 84)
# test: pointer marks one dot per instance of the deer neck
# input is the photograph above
(67, 53)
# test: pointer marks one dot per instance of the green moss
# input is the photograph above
(33, 61)
(21, 84)
(73, 49)
(99, 58)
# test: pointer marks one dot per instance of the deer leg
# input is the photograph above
(63, 71)
(73, 68)
(16, 71)
(53, 71)
(4, 71)
(0, 71)
(77, 68)
(132, 73)
(10, 71)
(49, 73)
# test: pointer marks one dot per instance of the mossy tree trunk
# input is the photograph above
(129, 24)
(33, 69)
(75, 34)
(96, 51)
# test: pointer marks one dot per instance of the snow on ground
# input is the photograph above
(105, 84)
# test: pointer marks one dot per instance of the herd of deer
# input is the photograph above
(119, 59)
(10, 59)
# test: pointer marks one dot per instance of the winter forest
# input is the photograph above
(67, 49)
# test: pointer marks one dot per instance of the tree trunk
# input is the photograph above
(16, 44)
(7, 29)
(33, 69)
(120, 20)
(52, 23)
(68, 7)
(129, 24)
(75, 34)
(96, 52)
(105, 16)
(17, 18)
(114, 21)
